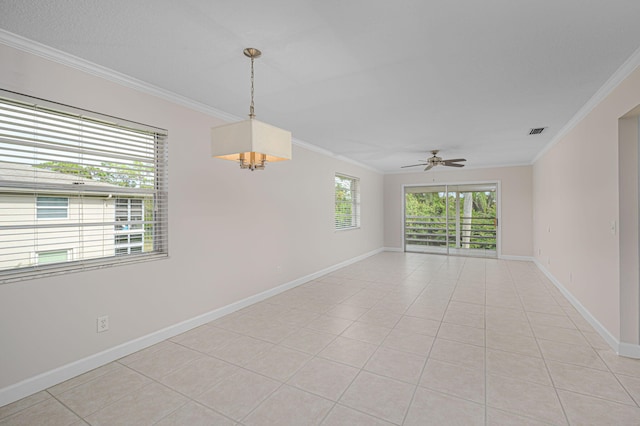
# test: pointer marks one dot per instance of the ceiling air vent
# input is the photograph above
(537, 130)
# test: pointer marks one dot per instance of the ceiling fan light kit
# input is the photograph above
(434, 160)
(251, 143)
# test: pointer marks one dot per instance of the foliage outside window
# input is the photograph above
(426, 213)
(347, 202)
(76, 182)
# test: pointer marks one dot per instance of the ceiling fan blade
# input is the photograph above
(429, 167)
(455, 160)
(446, 163)
(414, 165)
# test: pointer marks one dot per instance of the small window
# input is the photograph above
(129, 210)
(52, 256)
(347, 202)
(129, 235)
(52, 208)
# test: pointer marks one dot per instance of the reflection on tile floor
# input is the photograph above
(396, 339)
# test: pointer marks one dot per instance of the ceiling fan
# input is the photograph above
(438, 161)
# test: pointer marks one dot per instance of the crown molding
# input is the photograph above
(614, 81)
(331, 154)
(38, 49)
(63, 58)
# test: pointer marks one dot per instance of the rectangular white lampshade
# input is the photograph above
(230, 140)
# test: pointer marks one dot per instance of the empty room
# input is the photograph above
(319, 213)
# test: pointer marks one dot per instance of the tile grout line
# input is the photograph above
(171, 389)
(424, 366)
(28, 406)
(544, 360)
(361, 370)
(157, 381)
(314, 356)
(605, 364)
(395, 275)
(551, 289)
(84, 418)
(68, 408)
(486, 410)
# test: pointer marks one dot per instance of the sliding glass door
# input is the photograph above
(451, 219)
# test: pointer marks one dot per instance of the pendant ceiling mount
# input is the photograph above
(252, 52)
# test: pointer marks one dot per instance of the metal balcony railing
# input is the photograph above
(468, 232)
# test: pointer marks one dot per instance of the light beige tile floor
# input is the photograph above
(396, 339)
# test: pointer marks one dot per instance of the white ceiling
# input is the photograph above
(379, 82)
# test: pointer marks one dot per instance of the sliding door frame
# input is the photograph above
(497, 183)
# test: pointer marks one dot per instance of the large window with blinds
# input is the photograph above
(78, 190)
(347, 202)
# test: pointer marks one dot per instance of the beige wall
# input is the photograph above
(515, 202)
(232, 233)
(576, 201)
(628, 138)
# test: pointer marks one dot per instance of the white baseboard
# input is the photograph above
(519, 258)
(395, 249)
(624, 349)
(502, 256)
(629, 350)
(50, 378)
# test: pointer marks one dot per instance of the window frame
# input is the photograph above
(54, 208)
(89, 141)
(37, 254)
(340, 218)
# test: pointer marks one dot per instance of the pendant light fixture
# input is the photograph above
(251, 142)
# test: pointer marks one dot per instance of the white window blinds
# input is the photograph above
(347, 202)
(65, 176)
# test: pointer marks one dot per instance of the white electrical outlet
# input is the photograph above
(103, 323)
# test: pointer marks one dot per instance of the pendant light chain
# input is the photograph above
(252, 53)
(251, 110)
